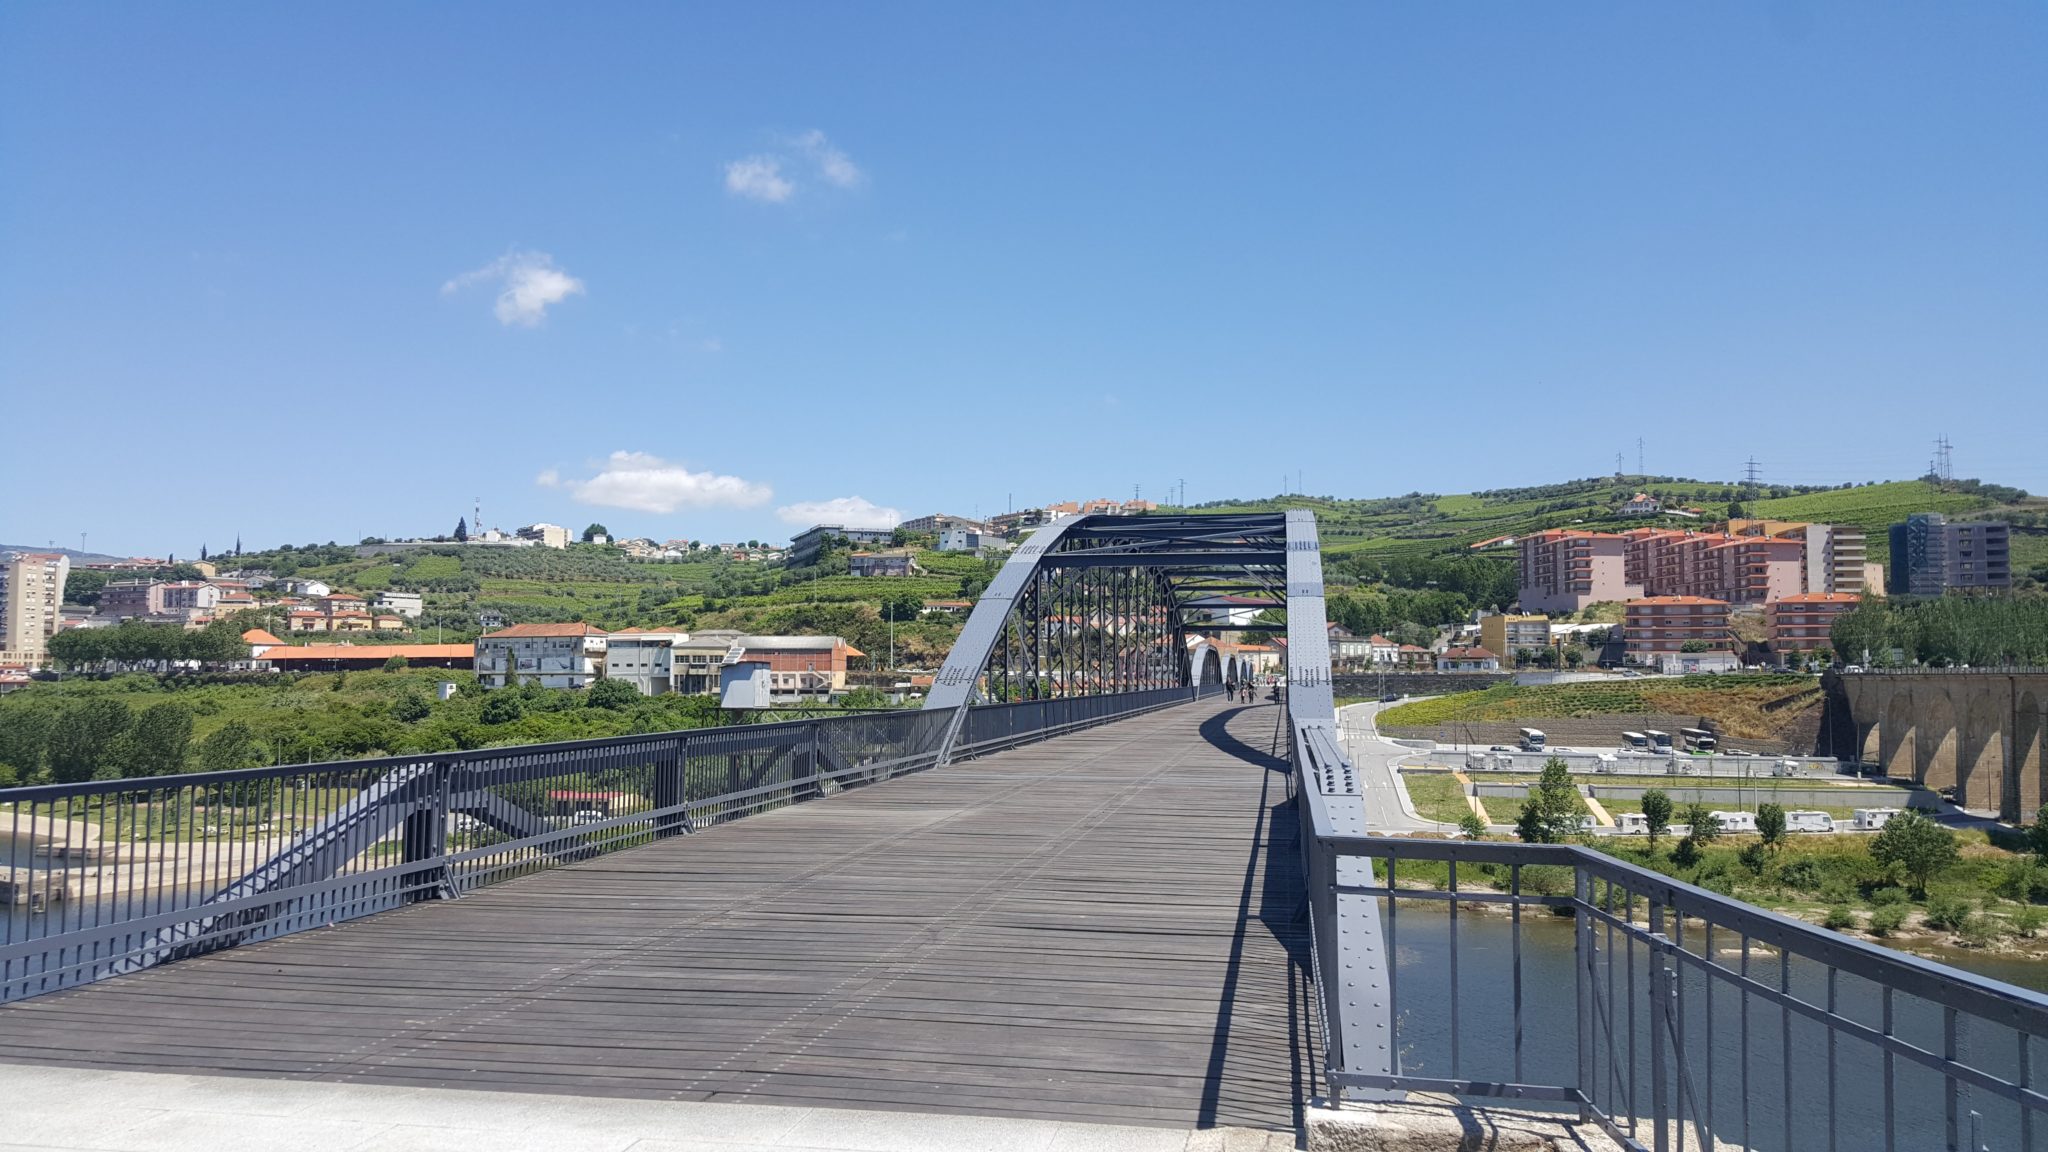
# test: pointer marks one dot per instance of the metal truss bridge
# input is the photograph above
(1079, 883)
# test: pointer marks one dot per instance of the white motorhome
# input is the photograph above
(1735, 821)
(1803, 821)
(1870, 819)
(1632, 823)
(1785, 768)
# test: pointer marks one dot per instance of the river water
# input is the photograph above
(1735, 1056)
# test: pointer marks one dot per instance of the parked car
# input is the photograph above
(588, 816)
(1390, 697)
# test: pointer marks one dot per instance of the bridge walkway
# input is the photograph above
(1101, 927)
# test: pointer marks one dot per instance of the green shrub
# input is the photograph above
(1835, 890)
(1888, 917)
(1547, 879)
(1840, 917)
(2022, 879)
(1755, 858)
(1946, 912)
(1804, 874)
(1976, 932)
(2028, 919)
(1890, 896)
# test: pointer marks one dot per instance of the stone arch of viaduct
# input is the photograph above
(1979, 732)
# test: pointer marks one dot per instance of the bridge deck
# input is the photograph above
(1097, 927)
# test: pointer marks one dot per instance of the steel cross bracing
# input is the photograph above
(1098, 605)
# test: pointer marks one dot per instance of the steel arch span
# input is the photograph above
(1100, 605)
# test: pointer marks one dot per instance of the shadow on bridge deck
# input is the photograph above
(1099, 927)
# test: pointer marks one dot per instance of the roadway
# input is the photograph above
(1387, 809)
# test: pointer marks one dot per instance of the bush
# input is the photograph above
(1805, 874)
(2027, 920)
(2022, 878)
(616, 695)
(1840, 917)
(1547, 879)
(1946, 912)
(503, 708)
(1888, 917)
(1976, 932)
(1835, 890)
(1890, 896)
(1755, 858)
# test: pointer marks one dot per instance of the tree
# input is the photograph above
(1656, 814)
(231, 746)
(88, 739)
(1472, 826)
(395, 664)
(593, 531)
(2037, 832)
(616, 695)
(902, 607)
(1770, 824)
(159, 739)
(1706, 827)
(503, 708)
(461, 531)
(411, 708)
(83, 586)
(1916, 845)
(24, 735)
(1551, 814)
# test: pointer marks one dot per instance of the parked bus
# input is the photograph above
(1659, 741)
(1532, 739)
(1636, 741)
(1697, 739)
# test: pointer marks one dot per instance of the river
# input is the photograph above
(1742, 1095)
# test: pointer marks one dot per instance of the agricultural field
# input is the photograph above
(1751, 707)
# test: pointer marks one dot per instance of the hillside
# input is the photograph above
(1420, 525)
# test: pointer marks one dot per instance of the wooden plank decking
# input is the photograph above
(1103, 926)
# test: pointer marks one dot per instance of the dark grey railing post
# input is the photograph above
(668, 792)
(1583, 962)
(424, 838)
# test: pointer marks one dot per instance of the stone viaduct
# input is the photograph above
(1979, 731)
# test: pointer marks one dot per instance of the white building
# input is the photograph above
(550, 655)
(969, 540)
(308, 588)
(407, 604)
(546, 535)
(31, 602)
(644, 659)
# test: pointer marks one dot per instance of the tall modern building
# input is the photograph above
(31, 592)
(1931, 556)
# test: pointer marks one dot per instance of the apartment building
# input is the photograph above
(1932, 555)
(644, 658)
(805, 545)
(1805, 623)
(1752, 570)
(545, 535)
(1756, 562)
(31, 600)
(1659, 626)
(939, 522)
(970, 540)
(1837, 559)
(1564, 570)
(1506, 635)
(550, 655)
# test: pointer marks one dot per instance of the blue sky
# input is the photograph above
(310, 272)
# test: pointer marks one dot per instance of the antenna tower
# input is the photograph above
(1752, 474)
(1639, 457)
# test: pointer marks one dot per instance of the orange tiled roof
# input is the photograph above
(1820, 598)
(370, 652)
(259, 636)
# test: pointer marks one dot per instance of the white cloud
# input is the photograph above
(766, 176)
(758, 178)
(835, 166)
(646, 483)
(846, 511)
(549, 478)
(530, 283)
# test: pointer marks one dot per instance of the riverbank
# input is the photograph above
(1987, 913)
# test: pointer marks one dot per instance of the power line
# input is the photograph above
(1752, 473)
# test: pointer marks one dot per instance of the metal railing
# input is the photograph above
(108, 877)
(992, 727)
(1674, 1017)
